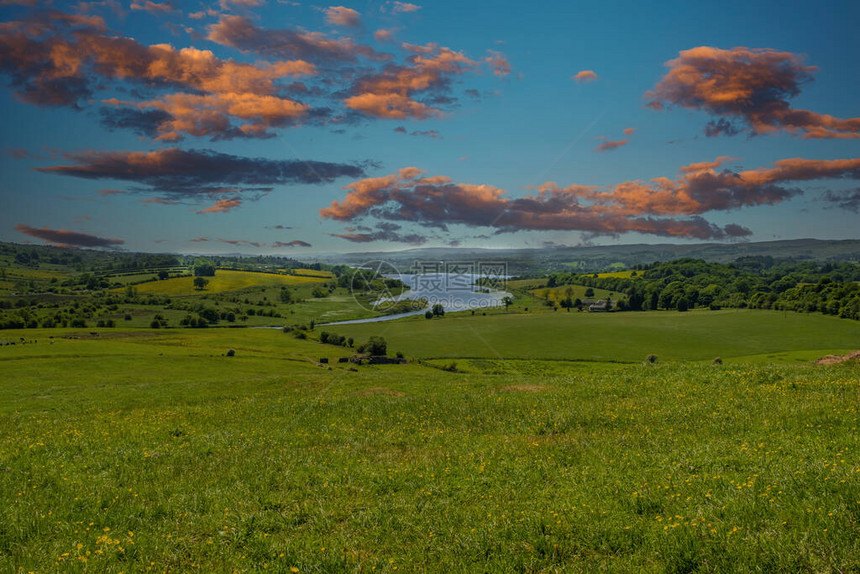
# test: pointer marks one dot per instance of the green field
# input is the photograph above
(224, 282)
(622, 337)
(139, 450)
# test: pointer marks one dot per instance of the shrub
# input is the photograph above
(717, 361)
(231, 352)
(651, 359)
(375, 346)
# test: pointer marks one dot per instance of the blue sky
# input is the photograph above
(233, 125)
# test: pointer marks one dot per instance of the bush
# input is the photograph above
(717, 361)
(231, 352)
(428, 315)
(651, 359)
(375, 346)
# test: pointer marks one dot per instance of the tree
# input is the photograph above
(163, 274)
(507, 302)
(203, 268)
(438, 310)
(375, 346)
(589, 292)
(200, 283)
(286, 297)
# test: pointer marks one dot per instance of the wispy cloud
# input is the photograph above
(64, 237)
(177, 174)
(584, 76)
(222, 206)
(293, 243)
(397, 7)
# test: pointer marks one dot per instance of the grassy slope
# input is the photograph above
(698, 335)
(222, 282)
(156, 449)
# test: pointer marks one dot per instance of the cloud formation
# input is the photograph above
(57, 59)
(394, 92)
(397, 7)
(750, 86)
(177, 174)
(610, 145)
(222, 206)
(65, 238)
(383, 232)
(432, 134)
(293, 243)
(166, 93)
(241, 33)
(662, 206)
(846, 199)
(342, 16)
(584, 76)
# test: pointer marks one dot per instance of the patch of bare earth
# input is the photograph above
(834, 359)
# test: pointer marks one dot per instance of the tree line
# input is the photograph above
(749, 282)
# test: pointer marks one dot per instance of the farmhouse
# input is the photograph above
(601, 305)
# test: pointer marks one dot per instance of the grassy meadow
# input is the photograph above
(225, 281)
(699, 335)
(142, 450)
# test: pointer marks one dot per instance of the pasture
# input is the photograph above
(153, 451)
(224, 281)
(617, 337)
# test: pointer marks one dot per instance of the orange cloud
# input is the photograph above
(611, 145)
(383, 35)
(750, 86)
(225, 98)
(615, 144)
(499, 63)
(222, 206)
(706, 165)
(662, 206)
(584, 76)
(390, 93)
(342, 16)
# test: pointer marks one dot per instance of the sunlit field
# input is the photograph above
(127, 451)
(224, 281)
(618, 337)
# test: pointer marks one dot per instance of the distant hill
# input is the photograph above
(597, 258)
(519, 261)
